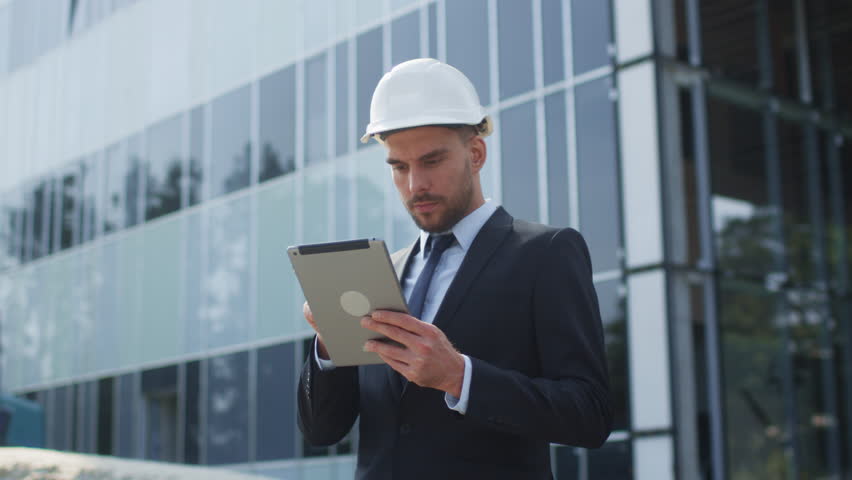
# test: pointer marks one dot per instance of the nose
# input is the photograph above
(418, 180)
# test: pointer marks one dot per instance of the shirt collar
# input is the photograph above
(468, 227)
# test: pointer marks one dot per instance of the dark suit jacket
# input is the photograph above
(523, 308)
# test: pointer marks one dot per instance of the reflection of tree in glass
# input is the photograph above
(131, 189)
(271, 165)
(615, 335)
(239, 177)
(164, 197)
(195, 178)
(69, 197)
(751, 318)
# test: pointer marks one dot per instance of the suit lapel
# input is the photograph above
(480, 252)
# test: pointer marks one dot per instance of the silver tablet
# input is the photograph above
(342, 282)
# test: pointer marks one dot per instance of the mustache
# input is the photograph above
(424, 197)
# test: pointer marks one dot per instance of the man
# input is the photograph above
(503, 352)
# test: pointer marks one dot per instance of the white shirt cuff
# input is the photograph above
(323, 363)
(460, 404)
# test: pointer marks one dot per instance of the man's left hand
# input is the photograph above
(428, 359)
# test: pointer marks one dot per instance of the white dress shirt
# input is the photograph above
(465, 232)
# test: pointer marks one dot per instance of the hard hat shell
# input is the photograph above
(423, 92)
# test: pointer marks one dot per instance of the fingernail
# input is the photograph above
(367, 346)
(377, 315)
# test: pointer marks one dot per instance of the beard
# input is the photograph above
(456, 206)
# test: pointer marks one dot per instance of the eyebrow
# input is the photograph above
(423, 158)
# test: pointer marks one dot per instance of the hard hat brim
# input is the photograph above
(374, 130)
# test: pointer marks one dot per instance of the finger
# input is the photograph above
(387, 349)
(401, 367)
(401, 320)
(402, 336)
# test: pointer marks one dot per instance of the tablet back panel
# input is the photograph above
(343, 281)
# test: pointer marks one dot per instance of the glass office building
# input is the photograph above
(157, 158)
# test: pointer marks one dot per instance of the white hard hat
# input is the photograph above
(422, 92)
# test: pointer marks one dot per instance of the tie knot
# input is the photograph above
(438, 243)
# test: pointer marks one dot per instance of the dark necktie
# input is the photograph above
(418, 294)
(439, 243)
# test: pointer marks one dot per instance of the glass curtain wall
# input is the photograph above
(775, 111)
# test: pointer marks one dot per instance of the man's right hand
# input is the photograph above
(321, 350)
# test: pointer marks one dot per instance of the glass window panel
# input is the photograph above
(193, 328)
(230, 157)
(278, 123)
(91, 202)
(161, 290)
(133, 179)
(405, 38)
(5, 230)
(518, 161)
(115, 183)
(51, 24)
(467, 42)
(69, 195)
(226, 435)
(109, 323)
(192, 431)
(105, 390)
(597, 170)
(613, 460)
(226, 282)
(195, 168)
(551, 32)
(129, 270)
(159, 390)
(63, 410)
(315, 219)
(86, 416)
(515, 41)
(344, 138)
(369, 70)
(276, 402)
(371, 174)
(567, 463)
(433, 30)
(85, 289)
(395, 4)
(163, 168)
(17, 215)
(126, 414)
(5, 35)
(611, 304)
(23, 33)
(58, 330)
(40, 219)
(342, 202)
(277, 313)
(591, 34)
(557, 160)
(754, 396)
(316, 110)
(27, 233)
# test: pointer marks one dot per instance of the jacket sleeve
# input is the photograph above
(569, 402)
(328, 402)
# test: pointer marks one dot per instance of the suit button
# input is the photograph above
(404, 429)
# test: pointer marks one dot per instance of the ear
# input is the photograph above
(478, 153)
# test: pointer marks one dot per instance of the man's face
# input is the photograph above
(436, 171)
